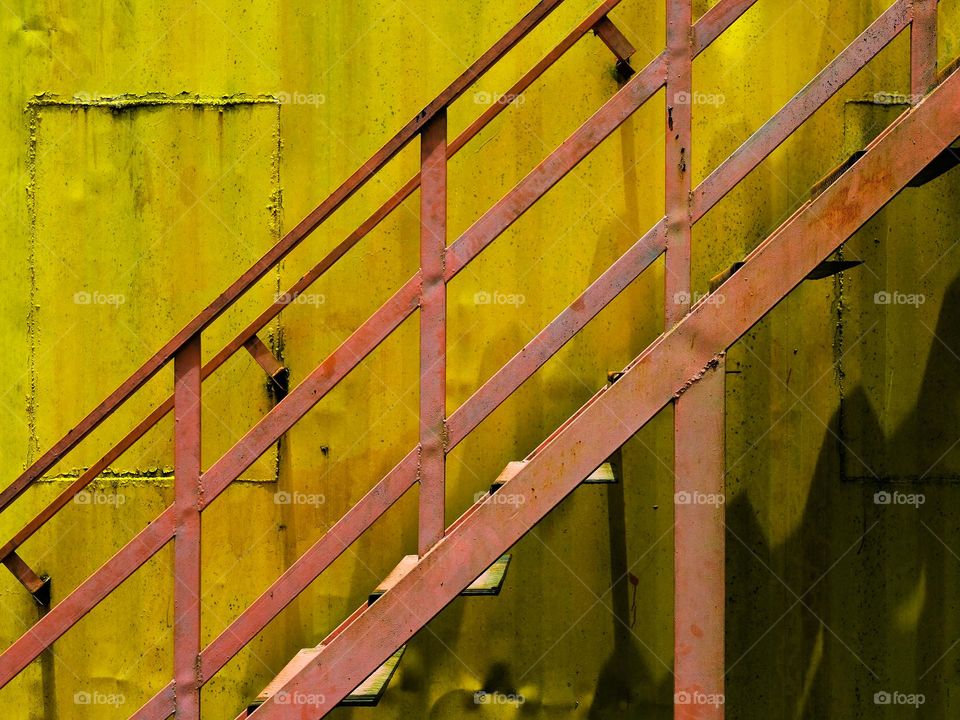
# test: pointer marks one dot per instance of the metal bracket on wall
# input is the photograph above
(618, 44)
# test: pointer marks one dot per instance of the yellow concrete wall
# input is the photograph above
(154, 150)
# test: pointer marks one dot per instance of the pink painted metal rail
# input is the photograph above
(426, 290)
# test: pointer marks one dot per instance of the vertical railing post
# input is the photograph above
(923, 48)
(186, 563)
(433, 330)
(699, 535)
(699, 576)
(679, 101)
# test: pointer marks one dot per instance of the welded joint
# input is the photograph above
(443, 438)
(712, 364)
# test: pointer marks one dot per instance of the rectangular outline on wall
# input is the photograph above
(127, 103)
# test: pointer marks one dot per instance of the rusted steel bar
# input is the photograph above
(264, 356)
(538, 351)
(433, 331)
(699, 537)
(159, 707)
(310, 391)
(618, 44)
(555, 335)
(552, 169)
(769, 137)
(186, 545)
(309, 566)
(279, 251)
(37, 586)
(90, 592)
(678, 359)
(678, 121)
(615, 40)
(923, 48)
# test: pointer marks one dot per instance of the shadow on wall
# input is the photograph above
(856, 615)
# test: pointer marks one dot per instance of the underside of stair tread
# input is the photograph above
(825, 269)
(603, 475)
(944, 162)
(406, 564)
(489, 582)
(367, 693)
(299, 661)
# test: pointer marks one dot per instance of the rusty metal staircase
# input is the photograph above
(684, 366)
